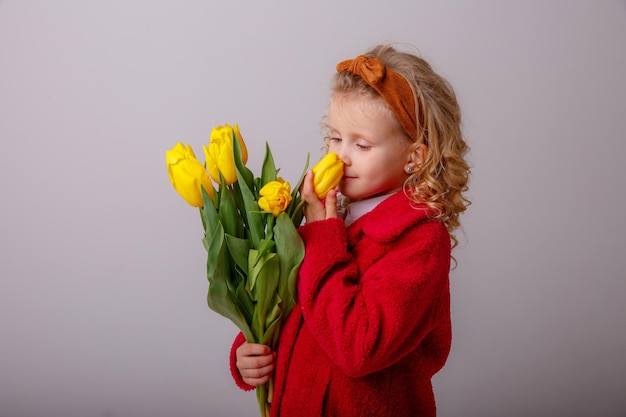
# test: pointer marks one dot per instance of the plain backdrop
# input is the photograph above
(103, 291)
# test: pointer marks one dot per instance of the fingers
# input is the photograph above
(255, 363)
(249, 349)
(307, 190)
(331, 204)
(315, 209)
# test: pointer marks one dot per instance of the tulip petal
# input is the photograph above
(327, 174)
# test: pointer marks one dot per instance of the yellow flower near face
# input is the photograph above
(327, 174)
(187, 174)
(275, 196)
(219, 153)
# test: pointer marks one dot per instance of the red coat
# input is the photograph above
(372, 323)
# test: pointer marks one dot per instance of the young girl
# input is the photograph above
(372, 324)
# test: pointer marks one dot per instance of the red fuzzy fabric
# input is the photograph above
(372, 324)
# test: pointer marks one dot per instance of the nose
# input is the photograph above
(342, 152)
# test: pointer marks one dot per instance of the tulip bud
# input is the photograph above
(219, 154)
(275, 196)
(187, 174)
(327, 174)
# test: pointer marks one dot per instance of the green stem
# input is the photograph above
(270, 227)
(202, 218)
(296, 215)
(263, 400)
(270, 390)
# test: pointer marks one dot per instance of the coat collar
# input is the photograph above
(389, 218)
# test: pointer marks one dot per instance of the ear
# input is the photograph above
(418, 154)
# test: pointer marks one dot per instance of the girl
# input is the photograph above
(373, 322)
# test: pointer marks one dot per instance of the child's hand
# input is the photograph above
(315, 209)
(255, 363)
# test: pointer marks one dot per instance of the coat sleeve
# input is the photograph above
(239, 340)
(367, 314)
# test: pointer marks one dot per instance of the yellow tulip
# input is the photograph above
(275, 196)
(327, 174)
(187, 174)
(219, 153)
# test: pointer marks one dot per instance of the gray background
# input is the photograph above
(102, 297)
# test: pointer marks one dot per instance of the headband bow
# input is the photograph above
(391, 86)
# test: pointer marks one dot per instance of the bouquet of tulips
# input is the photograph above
(254, 250)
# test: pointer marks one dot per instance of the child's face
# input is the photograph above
(371, 143)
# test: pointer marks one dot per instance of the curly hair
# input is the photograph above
(443, 177)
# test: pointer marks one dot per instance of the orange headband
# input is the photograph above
(390, 85)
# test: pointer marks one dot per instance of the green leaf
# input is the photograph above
(228, 214)
(265, 275)
(254, 215)
(290, 250)
(243, 173)
(219, 298)
(245, 305)
(268, 171)
(238, 276)
(273, 324)
(238, 249)
(297, 214)
(209, 213)
(266, 246)
(254, 257)
(216, 254)
(239, 203)
(274, 313)
(272, 327)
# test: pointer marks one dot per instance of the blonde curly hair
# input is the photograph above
(443, 177)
